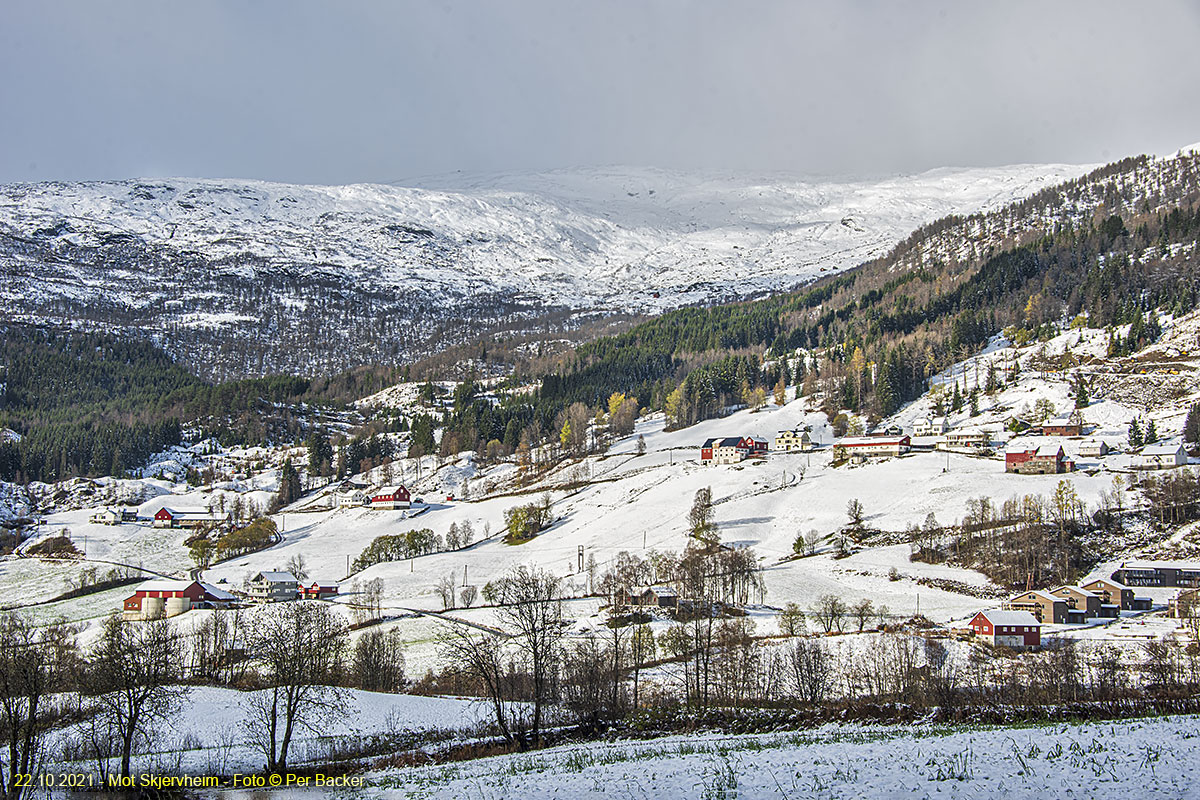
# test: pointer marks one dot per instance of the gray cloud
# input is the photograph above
(373, 91)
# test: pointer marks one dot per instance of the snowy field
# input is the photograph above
(1153, 758)
(209, 733)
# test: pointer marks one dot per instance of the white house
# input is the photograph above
(1161, 456)
(1093, 448)
(931, 426)
(966, 439)
(793, 441)
(870, 446)
(352, 495)
(109, 516)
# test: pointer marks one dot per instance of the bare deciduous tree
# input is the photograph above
(299, 647)
(379, 661)
(133, 669)
(30, 666)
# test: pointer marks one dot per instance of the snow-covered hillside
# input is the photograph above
(202, 264)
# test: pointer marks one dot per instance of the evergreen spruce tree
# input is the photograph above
(1135, 434)
(1081, 393)
(1191, 427)
(1151, 433)
(956, 400)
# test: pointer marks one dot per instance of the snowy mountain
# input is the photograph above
(245, 277)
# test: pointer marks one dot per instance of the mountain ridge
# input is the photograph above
(220, 271)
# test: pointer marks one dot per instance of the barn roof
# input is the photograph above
(1009, 617)
(164, 585)
(216, 593)
(276, 577)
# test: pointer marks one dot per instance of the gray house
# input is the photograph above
(274, 587)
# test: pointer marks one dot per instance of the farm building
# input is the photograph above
(1066, 425)
(274, 587)
(1016, 629)
(188, 518)
(1045, 607)
(169, 598)
(391, 497)
(793, 442)
(1161, 456)
(1047, 459)
(319, 591)
(870, 447)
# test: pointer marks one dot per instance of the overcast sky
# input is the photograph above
(339, 92)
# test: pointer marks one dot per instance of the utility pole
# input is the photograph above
(581, 558)
(464, 574)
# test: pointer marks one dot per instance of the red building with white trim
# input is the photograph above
(391, 497)
(1016, 629)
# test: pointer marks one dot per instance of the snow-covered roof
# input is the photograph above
(661, 591)
(1109, 582)
(276, 577)
(865, 441)
(175, 511)
(1161, 449)
(1076, 590)
(164, 585)
(389, 489)
(1048, 451)
(216, 593)
(1190, 565)
(1010, 617)
(1041, 594)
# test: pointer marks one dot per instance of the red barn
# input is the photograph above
(167, 517)
(166, 598)
(1016, 629)
(391, 497)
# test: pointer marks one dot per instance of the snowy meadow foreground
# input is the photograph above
(1149, 758)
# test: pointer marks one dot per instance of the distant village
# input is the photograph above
(1018, 623)
(169, 597)
(1023, 453)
